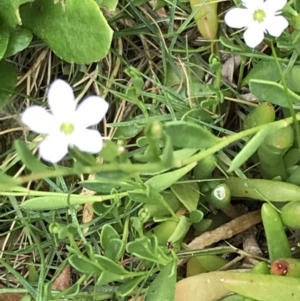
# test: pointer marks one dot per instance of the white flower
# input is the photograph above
(258, 17)
(67, 126)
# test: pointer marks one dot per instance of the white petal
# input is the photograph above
(276, 25)
(237, 18)
(38, 120)
(253, 4)
(54, 147)
(61, 100)
(89, 141)
(91, 111)
(273, 6)
(253, 36)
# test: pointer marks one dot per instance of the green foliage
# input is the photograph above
(8, 75)
(9, 12)
(70, 21)
(190, 135)
(273, 92)
(182, 139)
(163, 287)
(263, 287)
(264, 70)
(19, 39)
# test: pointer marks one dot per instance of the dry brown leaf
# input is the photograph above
(62, 282)
(87, 215)
(230, 66)
(88, 212)
(236, 226)
(11, 297)
(226, 231)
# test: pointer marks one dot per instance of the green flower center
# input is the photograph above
(259, 15)
(67, 128)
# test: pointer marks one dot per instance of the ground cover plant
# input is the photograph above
(150, 150)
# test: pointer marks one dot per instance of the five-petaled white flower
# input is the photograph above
(68, 125)
(258, 17)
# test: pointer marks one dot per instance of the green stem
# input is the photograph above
(87, 198)
(138, 168)
(129, 169)
(228, 140)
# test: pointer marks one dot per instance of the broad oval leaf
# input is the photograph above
(265, 70)
(162, 287)
(107, 234)
(9, 11)
(82, 265)
(272, 92)
(190, 135)
(115, 249)
(19, 39)
(188, 194)
(108, 265)
(76, 31)
(293, 78)
(4, 38)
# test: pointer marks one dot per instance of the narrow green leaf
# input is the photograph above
(249, 149)
(32, 291)
(165, 180)
(260, 189)
(53, 202)
(190, 135)
(8, 75)
(29, 160)
(229, 44)
(263, 287)
(106, 186)
(167, 155)
(7, 182)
